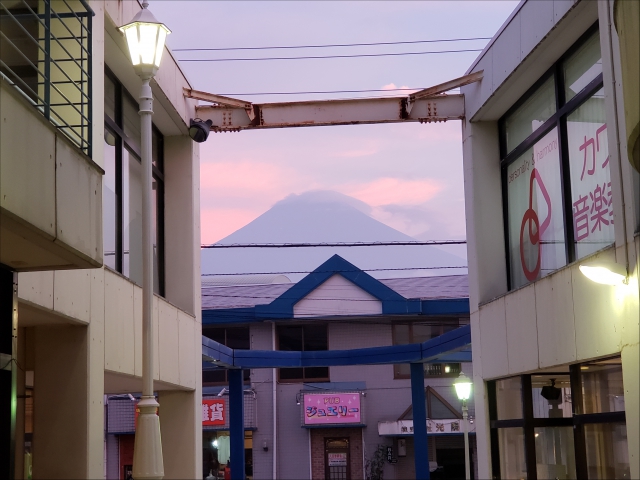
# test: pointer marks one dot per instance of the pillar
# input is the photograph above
(236, 423)
(181, 427)
(418, 402)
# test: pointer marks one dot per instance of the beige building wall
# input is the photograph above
(563, 318)
(81, 330)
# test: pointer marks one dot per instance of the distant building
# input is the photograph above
(336, 307)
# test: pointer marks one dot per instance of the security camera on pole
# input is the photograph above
(145, 38)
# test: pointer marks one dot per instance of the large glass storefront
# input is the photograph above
(216, 454)
(569, 423)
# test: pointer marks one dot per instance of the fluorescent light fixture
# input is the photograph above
(605, 272)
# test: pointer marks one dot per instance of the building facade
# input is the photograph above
(549, 186)
(335, 422)
(71, 241)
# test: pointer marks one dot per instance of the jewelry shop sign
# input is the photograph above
(332, 408)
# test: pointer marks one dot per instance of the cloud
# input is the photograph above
(385, 191)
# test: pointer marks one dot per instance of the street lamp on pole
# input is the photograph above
(145, 39)
(463, 390)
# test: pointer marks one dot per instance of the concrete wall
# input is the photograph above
(563, 318)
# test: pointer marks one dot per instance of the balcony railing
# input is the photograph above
(45, 53)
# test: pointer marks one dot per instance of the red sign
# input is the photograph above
(213, 412)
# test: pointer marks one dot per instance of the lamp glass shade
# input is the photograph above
(605, 273)
(145, 42)
(463, 387)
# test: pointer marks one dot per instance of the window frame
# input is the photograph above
(557, 120)
(528, 422)
(122, 142)
(440, 322)
(246, 373)
(304, 378)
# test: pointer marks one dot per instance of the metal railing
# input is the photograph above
(45, 53)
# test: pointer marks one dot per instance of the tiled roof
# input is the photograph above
(245, 296)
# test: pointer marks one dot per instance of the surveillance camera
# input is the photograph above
(199, 129)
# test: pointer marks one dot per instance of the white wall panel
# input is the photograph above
(118, 324)
(187, 355)
(522, 335)
(168, 343)
(337, 296)
(537, 18)
(72, 294)
(493, 338)
(556, 325)
(36, 287)
(137, 328)
(506, 52)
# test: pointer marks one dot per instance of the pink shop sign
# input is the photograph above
(332, 408)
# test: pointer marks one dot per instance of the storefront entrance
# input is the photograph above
(336, 459)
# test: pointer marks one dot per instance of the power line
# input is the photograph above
(326, 271)
(334, 244)
(226, 49)
(327, 91)
(316, 57)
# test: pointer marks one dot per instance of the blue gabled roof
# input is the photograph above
(392, 302)
(282, 306)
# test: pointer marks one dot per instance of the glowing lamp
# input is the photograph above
(605, 272)
(463, 387)
(145, 38)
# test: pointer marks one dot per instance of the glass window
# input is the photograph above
(602, 388)
(110, 98)
(303, 338)
(555, 457)
(513, 463)
(131, 120)
(123, 189)
(234, 337)
(109, 201)
(509, 398)
(551, 396)
(536, 219)
(607, 451)
(557, 179)
(404, 334)
(536, 110)
(590, 176)
(582, 67)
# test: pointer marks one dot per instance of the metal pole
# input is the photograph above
(236, 423)
(465, 416)
(147, 455)
(420, 445)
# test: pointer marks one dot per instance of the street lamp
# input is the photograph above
(463, 390)
(145, 39)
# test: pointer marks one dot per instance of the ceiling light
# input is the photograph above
(605, 272)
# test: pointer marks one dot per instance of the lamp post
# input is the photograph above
(145, 39)
(463, 390)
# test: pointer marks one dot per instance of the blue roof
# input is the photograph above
(443, 295)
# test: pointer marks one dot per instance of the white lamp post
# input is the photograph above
(145, 38)
(463, 390)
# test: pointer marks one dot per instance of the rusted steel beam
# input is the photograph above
(446, 86)
(439, 108)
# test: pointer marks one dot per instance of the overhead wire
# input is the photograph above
(411, 42)
(333, 244)
(316, 57)
(327, 271)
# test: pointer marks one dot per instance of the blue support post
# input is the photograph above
(421, 455)
(236, 423)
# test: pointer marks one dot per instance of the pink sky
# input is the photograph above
(410, 174)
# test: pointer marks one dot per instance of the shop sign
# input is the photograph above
(332, 408)
(213, 411)
(338, 459)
